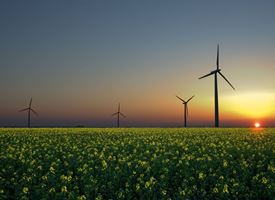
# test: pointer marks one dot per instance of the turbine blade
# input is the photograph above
(30, 103)
(226, 80)
(23, 110)
(190, 99)
(180, 99)
(122, 115)
(206, 75)
(186, 110)
(34, 112)
(118, 107)
(114, 113)
(218, 65)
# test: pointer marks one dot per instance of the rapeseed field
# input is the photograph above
(137, 163)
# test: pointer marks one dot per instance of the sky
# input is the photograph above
(78, 59)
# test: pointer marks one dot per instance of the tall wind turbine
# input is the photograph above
(216, 72)
(118, 113)
(185, 109)
(29, 109)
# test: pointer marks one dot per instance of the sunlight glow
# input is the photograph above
(257, 125)
(252, 105)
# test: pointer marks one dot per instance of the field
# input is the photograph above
(154, 163)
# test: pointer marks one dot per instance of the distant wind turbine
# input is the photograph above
(185, 109)
(118, 113)
(216, 72)
(29, 109)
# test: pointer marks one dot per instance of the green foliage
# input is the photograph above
(137, 163)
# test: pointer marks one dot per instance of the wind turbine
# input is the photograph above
(118, 113)
(216, 72)
(29, 109)
(185, 108)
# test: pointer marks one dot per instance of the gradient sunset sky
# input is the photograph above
(79, 59)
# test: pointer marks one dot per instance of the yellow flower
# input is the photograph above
(25, 190)
(225, 163)
(52, 170)
(182, 193)
(152, 179)
(99, 197)
(201, 175)
(120, 195)
(147, 184)
(69, 178)
(209, 158)
(52, 190)
(271, 168)
(63, 177)
(215, 190)
(264, 180)
(163, 192)
(225, 189)
(64, 189)
(82, 197)
(137, 187)
(104, 164)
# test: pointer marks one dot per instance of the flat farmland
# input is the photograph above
(137, 163)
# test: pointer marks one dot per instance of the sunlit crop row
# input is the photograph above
(137, 163)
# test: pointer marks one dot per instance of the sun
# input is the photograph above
(257, 125)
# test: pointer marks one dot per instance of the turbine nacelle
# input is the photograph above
(216, 71)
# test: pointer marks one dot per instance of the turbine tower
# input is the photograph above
(215, 73)
(185, 109)
(118, 113)
(29, 109)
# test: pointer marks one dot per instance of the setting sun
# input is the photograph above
(257, 125)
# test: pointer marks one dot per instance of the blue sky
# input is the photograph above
(78, 59)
